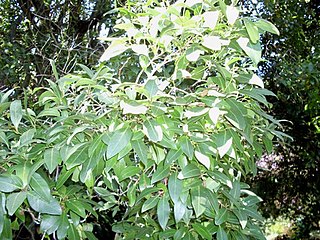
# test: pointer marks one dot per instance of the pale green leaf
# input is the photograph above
(179, 210)
(118, 141)
(52, 159)
(115, 49)
(133, 108)
(252, 30)
(186, 146)
(203, 159)
(16, 113)
(14, 201)
(141, 150)
(10, 183)
(198, 200)
(152, 130)
(210, 19)
(175, 187)
(128, 172)
(160, 174)
(232, 14)
(188, 171)
(267, 26)
(163, 212)
(221, 234)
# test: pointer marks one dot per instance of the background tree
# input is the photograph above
(290, 186)
(34, 32)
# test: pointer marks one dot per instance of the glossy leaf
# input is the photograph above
(118, 141)
(153, 130)
(52, 159)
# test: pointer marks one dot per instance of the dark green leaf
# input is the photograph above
(149, 203)
(41, 187)
(76, 207)
(221, 216)
(221, 234)
(128, 172)
(73, 233)
(202, 230)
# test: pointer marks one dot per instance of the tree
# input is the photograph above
(160, 137)
(292, 73)
(35, 32)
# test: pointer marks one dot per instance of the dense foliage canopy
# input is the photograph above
(156, 141)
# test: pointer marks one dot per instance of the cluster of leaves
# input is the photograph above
(160, 137)
(292, 73)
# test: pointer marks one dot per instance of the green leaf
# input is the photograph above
(115, 49)
(198, 200)
(175, 187)
(149, 203)
(203, 159)
(221, 234)
(242, 216)
(160, 174)
(163, 212)
(202, 230)
(133, 108)
(118, 141)
(78, 157)
(267, 26)
(14, 201)
(73, 233)
(51, 112)
(141, 150)
(132, 195)
(49, 224)
(151, 87)
(153, 130)
(252, 30)
(186, 146)
(128, 172)
(173, 155)
(76, 207)
(191, 170)
(252, 50)
(179, 210)
(7, 230)
(40, 205)
(52, 159)
(63, 227)
(10, 183)
(16, 113)
(224, 143)
(4, 139)
(41, 187)
(221, 216)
